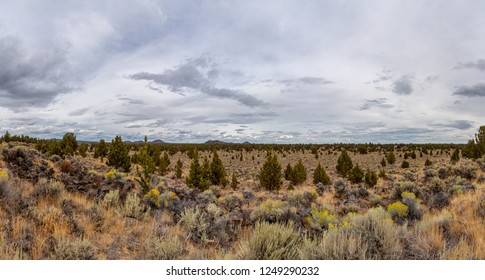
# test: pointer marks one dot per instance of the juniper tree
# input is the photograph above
(344, 164)
(7, 137)
(320, 176)
(101, 150)
(164, 163)
(370, 178)
(391, 158)
(299, 173)
(270, 173)
(83, 148)
(178, 169)
(356, 174)
(383, 162)
(155, 152)
(217, 171)
(288, 172)
(196, 178)
(234, 181)
(148, 167)
(455, 157)
(68, 144)
(472, 150)
(118, 155)
(206, 170)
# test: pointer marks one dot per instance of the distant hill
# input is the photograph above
(216, 142)
(158, 141)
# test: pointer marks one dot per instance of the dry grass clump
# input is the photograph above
(467, 228)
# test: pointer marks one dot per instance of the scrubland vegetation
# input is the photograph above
(117, 200)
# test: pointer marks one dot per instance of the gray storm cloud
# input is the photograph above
(190, 76)
(477, 90)
(479, 65)
(403, 86)
(379, 102)
(459, 124)
(30, 80)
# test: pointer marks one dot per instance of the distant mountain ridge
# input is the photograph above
(216, 142)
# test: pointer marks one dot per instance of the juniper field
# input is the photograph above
(60, 199)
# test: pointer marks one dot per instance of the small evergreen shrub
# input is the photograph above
(270, 173)
(320, 176)
(370, 178)
(344, 164)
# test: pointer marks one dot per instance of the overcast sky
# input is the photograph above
(258, 71)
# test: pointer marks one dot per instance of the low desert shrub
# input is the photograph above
(436, 185)
(273, 211)
(111, 199)
(206, 197)
(321, 188)
(153, 199)
(66, 166)
(197, 223)
(164, 248)
(302, 199)
(113, 175)
(231, 202)
(439, 200)
(49, 189)
(338, 244)
(407, 186)
(271, 242)
(430, 173)
(168, 199)
(341, 188)
(369, 236)
(321, 220)
(466, 170)
(133, 209)
(76, 249)
(415, 211)
(398, 211)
